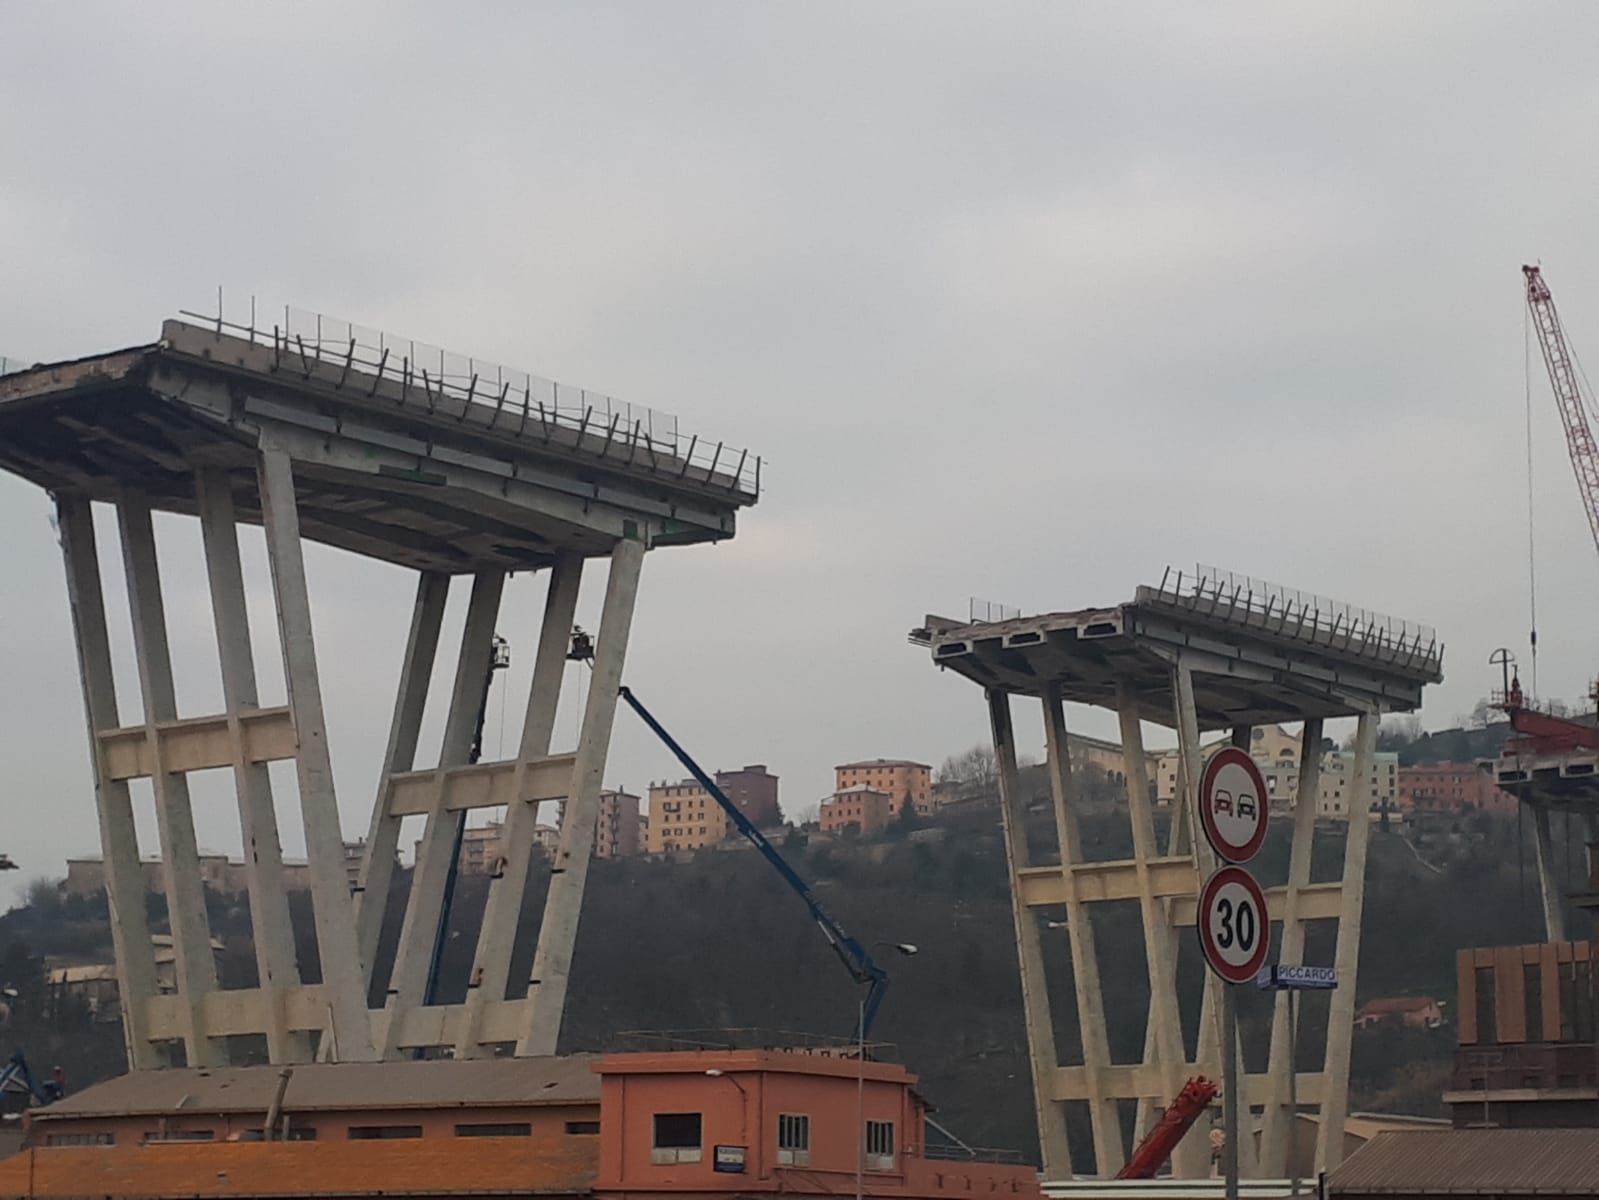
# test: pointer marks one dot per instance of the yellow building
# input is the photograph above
(683, 816)
(895, 778)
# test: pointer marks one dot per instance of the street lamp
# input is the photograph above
(908, 949)
(744, 1105)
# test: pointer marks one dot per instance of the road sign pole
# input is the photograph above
(1229, 1095)
(1293, 1089)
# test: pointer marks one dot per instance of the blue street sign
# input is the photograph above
(1288, 976)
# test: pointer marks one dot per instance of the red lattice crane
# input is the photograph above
(1157, 1146)
(1557, 357)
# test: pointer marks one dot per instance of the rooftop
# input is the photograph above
(1473, 1162)
(881, 762)
(566, 1079)
(538, 1165)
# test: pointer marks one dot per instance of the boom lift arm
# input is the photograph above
(16, 1071)
(856, 958)
(1158, 1145)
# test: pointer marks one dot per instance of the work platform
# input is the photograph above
(319, 430)
(1203, 651)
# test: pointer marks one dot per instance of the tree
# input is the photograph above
(975, 767)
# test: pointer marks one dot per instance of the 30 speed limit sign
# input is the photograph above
(1234, 929)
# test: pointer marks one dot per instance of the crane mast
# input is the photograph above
(1580, 442)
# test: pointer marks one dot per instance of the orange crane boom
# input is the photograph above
(1157, 1146)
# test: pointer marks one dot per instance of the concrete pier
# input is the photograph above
(1196, 653)
(448, 467)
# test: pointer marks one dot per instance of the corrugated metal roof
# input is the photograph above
(1560, 1162)
(417, 1167)
(440, 1083)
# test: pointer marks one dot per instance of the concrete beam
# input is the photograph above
(198, 743)
(349, 1036)
(482, 785)
(130, 929)
(563, 905)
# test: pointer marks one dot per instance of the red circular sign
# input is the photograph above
(1232, 805)
(1234, 926)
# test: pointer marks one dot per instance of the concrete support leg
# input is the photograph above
(130, 930)
(349, 1036)
(1341, 1010)
(1277, 1131)
(563, 906)
(193, 963)
(424, 912)
(276, 968)
(1554, 913)
(1045, 1060)
(503, 908)
(1109, 1152)
(1167, 1045)
(383, 834)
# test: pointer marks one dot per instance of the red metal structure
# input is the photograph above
(1156, 1148)
(1557, 357)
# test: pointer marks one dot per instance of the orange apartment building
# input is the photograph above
(860, 808)
(1450, 787)
(896, 778)
(681, 1124)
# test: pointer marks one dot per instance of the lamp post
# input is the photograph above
(744, 1103)
(907, 949)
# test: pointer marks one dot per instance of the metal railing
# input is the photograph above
(747, 1038)
(987, 612)
(505, 398)
(983, 1154)
(1301, 616)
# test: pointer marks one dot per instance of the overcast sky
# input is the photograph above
(1018, 301)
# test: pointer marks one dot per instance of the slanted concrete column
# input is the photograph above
(1277, 1131)
(563, 906)
(349, 1036)
(271, 931)
(1554, 913)
(1045, 1060)
(124, 878)
(193, 962)
(497, 935)
(1341, 1010)
(1167, 1045)
(424, 912)
(383, 834)
(1109, 1153)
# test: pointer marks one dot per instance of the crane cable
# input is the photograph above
(1532, 569)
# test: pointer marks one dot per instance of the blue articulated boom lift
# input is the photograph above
(16, 1072)
(856, 958)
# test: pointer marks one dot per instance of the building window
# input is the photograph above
(371, 1132)
(81, 1139)
(677, 1138)
(582, 1127)
(793, 1140)
(507, 1129)
(1487, 1018)
(181, 1135)
(880, 1145)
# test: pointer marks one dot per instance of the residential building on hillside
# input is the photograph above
(1276, 753)
(1450, 787)
(618, 833)
(1413, 1012)
(754, 790)
(219, 872)
(480, 849)
(861, 808)
(896, 778)
(684, 816)
(1107, 756)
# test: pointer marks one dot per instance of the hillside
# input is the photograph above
(718, 942)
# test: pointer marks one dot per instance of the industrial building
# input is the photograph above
(711, 1122)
